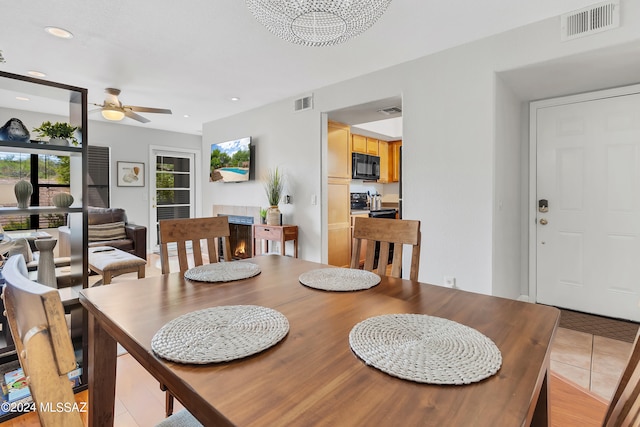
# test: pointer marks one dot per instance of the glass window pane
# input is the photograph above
(173, 197)
(173, 212)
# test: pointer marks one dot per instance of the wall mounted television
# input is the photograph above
(231, 161)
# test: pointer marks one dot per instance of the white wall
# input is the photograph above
(283, 139)
(459, 158)
(507, 206)
(128, 143)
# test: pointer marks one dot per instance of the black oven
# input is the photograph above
(365, 166)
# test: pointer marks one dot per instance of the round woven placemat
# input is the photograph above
(220, 334)
(339, 279)
(222, 271)
(425, 349)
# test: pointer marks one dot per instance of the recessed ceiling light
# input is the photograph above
(22, 98)
(235, 98)
(36, 73)
(186, 116)
(59, 32)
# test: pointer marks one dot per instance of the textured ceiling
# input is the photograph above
(192, 57)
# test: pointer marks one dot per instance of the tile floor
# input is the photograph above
(590, 361)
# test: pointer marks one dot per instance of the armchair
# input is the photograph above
(109, 227)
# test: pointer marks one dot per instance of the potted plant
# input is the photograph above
(59, 133)
(274, 186)
(263, 215)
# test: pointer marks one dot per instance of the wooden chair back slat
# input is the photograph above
(181, 231)
(395, 232)
(624, 409)
(37, 322)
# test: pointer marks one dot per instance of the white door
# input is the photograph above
(588, 171)
(172, 189)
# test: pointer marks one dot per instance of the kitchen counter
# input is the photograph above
(357, 212)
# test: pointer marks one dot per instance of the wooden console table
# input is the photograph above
(281, 233)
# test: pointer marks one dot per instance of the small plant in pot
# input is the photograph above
(59, 133)
(263, 215)
(274, 186)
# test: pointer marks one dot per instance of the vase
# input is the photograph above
(273, 216)
(62, 200)
(23, 190)
(46, 264)
(58, 141)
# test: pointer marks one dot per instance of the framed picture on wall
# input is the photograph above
(130, 174)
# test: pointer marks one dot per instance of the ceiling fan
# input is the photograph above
(113, 109)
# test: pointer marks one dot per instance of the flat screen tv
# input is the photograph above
(231, 161)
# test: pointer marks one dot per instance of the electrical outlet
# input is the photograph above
(450, 281)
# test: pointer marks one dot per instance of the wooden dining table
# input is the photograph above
(312, 377)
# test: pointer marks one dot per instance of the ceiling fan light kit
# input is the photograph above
(111, 113)
(317, 22)
(112, 109)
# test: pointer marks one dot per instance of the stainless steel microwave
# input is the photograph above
(365, 166)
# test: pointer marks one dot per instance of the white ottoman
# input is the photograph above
(110, 262)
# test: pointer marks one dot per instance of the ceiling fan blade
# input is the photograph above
(135, 116)
(147, 109)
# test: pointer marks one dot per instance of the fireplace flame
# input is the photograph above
(240, 249)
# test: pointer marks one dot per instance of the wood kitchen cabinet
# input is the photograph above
(372, 146)
(363, 243)
(364, 145)
(338, 151)
(385, 162)
(338, 196)
(358, 144)
(394, 160)
(339, 225)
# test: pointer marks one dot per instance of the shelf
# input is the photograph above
(39, 210)
(38, 147)
(70, 102)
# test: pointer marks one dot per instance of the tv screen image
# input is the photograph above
(231, 160)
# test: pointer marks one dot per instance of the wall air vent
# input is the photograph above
(390, 110)
(590, 20)
(304, 103)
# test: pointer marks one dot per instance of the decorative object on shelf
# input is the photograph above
(317, 22)
(46, 264)
(14, 130)
(59, 133)
(62, 200)
(263, 215)
(130, 174)
(23, 190)
(274, 187)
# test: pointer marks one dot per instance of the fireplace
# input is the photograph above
(240, 237)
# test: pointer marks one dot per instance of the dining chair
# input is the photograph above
(192, 230)
(36, 319)
(390, 233)
(624, 409)
(183, 231)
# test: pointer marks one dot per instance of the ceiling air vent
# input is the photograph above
(390, 110)
(304, 103)
(590, 20)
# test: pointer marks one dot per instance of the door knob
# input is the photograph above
(543, 221)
